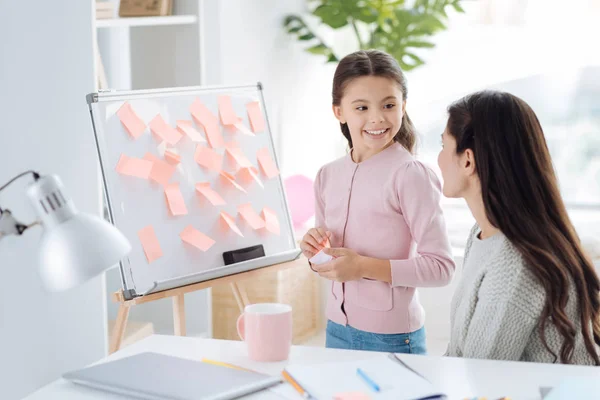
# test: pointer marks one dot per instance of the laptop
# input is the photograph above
(155, 376)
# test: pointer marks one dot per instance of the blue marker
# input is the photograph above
(368, 380)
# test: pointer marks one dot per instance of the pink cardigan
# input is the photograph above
(386, 207)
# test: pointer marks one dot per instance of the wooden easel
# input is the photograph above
(178, 300)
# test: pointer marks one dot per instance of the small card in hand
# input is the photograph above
(320, 258)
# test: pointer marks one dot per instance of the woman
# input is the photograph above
(528, 291)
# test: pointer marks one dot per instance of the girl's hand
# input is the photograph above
(346, 266)
(314, 240)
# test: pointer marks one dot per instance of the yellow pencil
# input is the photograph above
(295, 385)
(224, 364)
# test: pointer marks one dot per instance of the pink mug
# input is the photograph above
(267, 330)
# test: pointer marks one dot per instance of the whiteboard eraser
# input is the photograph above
(320, 258)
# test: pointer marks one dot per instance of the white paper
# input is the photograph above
(320, 258)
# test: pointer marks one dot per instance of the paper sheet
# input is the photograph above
(238, 156)
(352, 396)
(161, 171)
(164, 131)
(320, 258)
(327, 380)
(257, 123)
(150, 243)
(250, 216)
(208, 158)
(130, 120)
(230, 221)
(186, 127)
(271, 221)
(205, 190)
(209, 123)
(196, 238)
(175, 200)
(231, 180)
(249, 175)
(266, 163)
(226, 111)
(172, 157)
(134, 167)
(242, 128)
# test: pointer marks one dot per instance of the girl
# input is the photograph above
(528, 292)
(376, 205)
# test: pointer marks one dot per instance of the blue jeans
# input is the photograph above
(349, 338)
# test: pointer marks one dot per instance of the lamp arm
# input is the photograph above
(8, 224)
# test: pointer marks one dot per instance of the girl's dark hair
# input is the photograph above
(372, 63)
(521, 198)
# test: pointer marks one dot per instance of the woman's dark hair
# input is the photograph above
(521, 198)
(372, 63)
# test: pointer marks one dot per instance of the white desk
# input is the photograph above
(458, 378)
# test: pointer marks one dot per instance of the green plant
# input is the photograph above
(388, 25)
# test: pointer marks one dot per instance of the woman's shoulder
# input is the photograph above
(510, 269)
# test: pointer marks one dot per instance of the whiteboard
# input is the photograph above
(135, 203)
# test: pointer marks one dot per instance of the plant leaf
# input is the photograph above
(331, 16)
(319, 49)
(306, 36)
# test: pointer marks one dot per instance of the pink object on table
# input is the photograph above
(267, 330)
(300, 197)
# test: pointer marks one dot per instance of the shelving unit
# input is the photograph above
(147, 21)
(152, 52)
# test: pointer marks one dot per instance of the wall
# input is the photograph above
(45, 73)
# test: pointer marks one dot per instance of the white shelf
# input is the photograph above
(147, 21)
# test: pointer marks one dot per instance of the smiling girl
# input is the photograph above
(380, 210)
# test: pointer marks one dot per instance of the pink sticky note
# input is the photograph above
(196, 238)
(187, 128)
(160, 128)
(232, 145)
(209, 122)
(175, 200)
(214, 136)
(150, 243)
(226, 111)
(172, 157)
(251, 216)
(130, 120)
(238, 156)
(230, 221)
(242, 128)
(201, 114)
(134, 167)
(161, 171)
(249, 175)
(208, 158)
(271, 221)
(352, 396)
(231, 180)
(257, 123)
(205, 190)
(267, 165)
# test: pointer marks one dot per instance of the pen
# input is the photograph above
(368, 380)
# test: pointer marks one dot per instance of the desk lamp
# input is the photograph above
(75, 246)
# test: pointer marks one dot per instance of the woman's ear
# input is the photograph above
(468, 162)
(337, 111)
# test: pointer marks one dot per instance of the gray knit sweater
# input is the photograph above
(497, 306)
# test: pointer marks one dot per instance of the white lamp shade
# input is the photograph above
(79, 249)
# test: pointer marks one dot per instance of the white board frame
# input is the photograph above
(107, 163)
